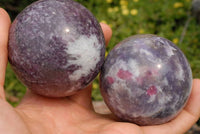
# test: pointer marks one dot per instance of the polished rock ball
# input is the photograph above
(56, 47)
(146, 80)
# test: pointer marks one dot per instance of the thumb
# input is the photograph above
(4, 30)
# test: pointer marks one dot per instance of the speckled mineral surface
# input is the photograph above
(56, 47)
(146, 80)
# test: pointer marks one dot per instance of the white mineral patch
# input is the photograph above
(118, 88)
(150, 56)
(164, 82)
(119, 64)
(151, 98)
(146, 52)
(86, 55)
(180, 72)
(155, 61)
(148, 42)
(121, 85)
(164, 98)
(134, 68)
(169, 49)
(131, 66)
(160, 41)
(159, 89)
(175, 101)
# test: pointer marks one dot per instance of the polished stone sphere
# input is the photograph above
(56, 47)
(146, 80)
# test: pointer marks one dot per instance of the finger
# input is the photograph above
(107, 31)
(185, 119)
(193, 106)
(83, 97)
(4, 30)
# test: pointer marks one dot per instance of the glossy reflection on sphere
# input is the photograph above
(56, 47)
(146, 80)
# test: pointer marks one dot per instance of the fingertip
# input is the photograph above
(196, 82)
(4, 17)
(196, 86)
(107, 32)
(193, 105)
(4, 26)
(4, 32)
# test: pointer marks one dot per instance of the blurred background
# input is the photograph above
(171, 19)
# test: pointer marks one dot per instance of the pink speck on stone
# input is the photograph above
(110, 80)
(125, 75)
(152, 91)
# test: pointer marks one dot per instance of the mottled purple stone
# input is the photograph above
(146, 80)
(56, 47)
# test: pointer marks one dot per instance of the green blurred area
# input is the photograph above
(166, 18)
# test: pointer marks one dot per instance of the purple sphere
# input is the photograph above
(146, 80)
(56, 47)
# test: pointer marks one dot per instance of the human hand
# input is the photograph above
(75, 114)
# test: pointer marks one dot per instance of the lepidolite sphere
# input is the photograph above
(146, 80)
(56, 47)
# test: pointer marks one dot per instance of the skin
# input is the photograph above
(75, 114)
